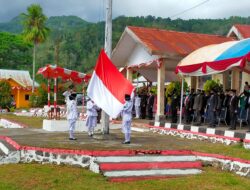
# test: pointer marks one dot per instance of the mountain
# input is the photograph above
(79, 42)
(66, 22)
(13, 26)
(54, 23)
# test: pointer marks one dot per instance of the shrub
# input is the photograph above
(5, 95)
(40, 99)
(177, 86)
(212, 84)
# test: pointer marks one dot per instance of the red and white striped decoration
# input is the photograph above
(55, 98)
(49, 93)
(53, 71)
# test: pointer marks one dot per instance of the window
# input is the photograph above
(27, 97)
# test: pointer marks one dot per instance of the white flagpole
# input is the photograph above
(182, 86)
(108, 50)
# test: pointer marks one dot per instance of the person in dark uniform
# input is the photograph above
(225, 104)
(150, 105)
(143, 106)
(189, 106)
(198, 102)
(233, 105)
(175, 102)
(212, 105)
(247, 107)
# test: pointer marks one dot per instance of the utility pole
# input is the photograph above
(108, 50)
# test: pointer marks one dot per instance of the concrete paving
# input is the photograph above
(139, 140)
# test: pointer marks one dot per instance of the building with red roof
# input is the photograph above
(239, 31)
(155, 53)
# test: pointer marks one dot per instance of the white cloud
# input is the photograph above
(93, 10)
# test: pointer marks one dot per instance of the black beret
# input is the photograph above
(127, 97)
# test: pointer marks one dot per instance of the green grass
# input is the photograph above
(42, 177)
(31, 122)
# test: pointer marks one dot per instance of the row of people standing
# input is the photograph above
(214, 104)
(145, 105)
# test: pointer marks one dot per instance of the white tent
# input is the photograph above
(214, 59)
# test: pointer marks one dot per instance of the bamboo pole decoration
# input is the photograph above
(55, 99)
(49, 92)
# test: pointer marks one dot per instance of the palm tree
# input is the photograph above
(35, 30)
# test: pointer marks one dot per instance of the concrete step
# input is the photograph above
(6, 147)
(140, 178)
(167, 164)
(147, 158)
(152, 172)
(149, 165)
(2, 153)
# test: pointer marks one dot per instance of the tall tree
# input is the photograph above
(14, 51)
(35, 30)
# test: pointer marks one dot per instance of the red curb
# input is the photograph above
(220, 157)
(246, 141)
(58, 151)
(149, 165)
(11, 142)
(113, 153)
(117, 152)
(130, 179)
(176, 152)
(196, 133)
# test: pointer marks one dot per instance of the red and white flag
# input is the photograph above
(107, 86)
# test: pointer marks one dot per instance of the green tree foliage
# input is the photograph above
(41, 98)
(176, 85)
(15, 53)
(80, 41)
(5, 95)
(35, 30)
(212, 84)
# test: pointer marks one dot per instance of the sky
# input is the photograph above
(94, 10)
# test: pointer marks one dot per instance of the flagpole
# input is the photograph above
(181, 103)
(108, 50)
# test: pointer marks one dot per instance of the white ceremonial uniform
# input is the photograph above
(127, 119)
(72, 115)
(66, 94)
(137, 106)
(91, 116)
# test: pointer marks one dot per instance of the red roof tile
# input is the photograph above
(173, 43)
(243, 29)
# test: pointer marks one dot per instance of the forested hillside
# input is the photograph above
(79, 42)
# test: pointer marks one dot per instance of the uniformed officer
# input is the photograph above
(72, 115)
(67, 93)
(127, 118)
(137, 106)
(233, 109)
(91, 117)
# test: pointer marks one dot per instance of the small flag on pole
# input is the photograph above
(107, 86)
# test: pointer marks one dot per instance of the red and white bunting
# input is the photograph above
(53, 71)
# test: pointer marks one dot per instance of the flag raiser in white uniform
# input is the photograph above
(108, 86)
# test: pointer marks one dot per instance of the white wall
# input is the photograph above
(140, 55)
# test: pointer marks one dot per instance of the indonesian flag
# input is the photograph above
(107, 86)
